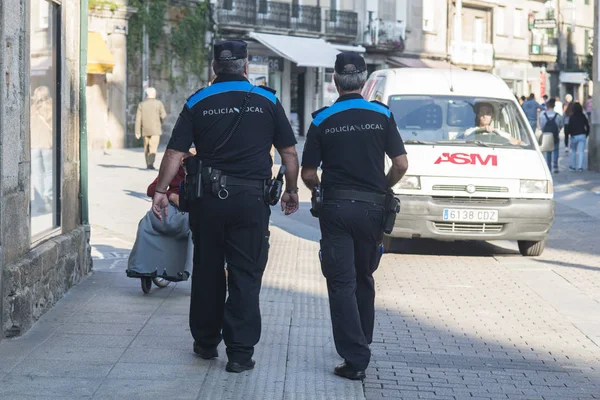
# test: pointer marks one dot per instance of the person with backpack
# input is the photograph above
(552, 122)
(578, 129)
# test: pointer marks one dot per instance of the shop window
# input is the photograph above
(45, 116)
(333, 10)
(228, 4)
(428, 15)
(499, 20)
(262, 6)
(517, 22)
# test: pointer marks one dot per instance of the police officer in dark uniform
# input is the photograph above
(230, 222)
(349, 140)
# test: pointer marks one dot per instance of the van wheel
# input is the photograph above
(390, 244)
(530, 248)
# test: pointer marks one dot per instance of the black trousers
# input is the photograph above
(352, 234)
(237, 230)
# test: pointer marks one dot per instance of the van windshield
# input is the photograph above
(459, 120)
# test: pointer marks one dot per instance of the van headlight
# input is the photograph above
(535, 186)
(408, 182)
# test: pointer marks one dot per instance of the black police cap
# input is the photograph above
(349, 62)
(230, 50)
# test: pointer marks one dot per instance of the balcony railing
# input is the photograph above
(272, 14)
(285, 16)
(341, 23)
(306, 18)
(237, 12)
(470, 53)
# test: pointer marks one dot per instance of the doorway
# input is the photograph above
(298, 92)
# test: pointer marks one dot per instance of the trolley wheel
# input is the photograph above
(160, 282)
(146, 284)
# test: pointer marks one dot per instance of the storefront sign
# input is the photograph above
(544, 23)
(276, 64)
(258, 74)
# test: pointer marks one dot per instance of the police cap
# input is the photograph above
(230, 50)
(349, 62)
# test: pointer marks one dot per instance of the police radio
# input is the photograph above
(274, 187)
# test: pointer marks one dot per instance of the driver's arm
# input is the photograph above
(466, 133)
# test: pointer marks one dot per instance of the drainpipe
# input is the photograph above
(83, 142)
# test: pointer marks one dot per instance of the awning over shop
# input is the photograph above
(407, 62)
(346, 47)
(305, 52)
(576, 78)
(100, 60)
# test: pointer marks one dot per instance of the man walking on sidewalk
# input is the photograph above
(349, 140)
(233, 125)
(148, 123)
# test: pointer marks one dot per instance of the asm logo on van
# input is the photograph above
(464, 158)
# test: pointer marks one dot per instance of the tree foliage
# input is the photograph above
(588, 61)
(183, 43)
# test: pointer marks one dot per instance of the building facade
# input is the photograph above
(575, 20)
(107, 75)
(44, 246)
(535, 46)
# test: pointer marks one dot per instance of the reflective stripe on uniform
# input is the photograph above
(233, 86)
(349, 104)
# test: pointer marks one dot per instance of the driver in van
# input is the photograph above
(483, 125)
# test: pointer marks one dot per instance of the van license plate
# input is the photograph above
(463, 215)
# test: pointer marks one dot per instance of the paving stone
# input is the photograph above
(456, 320)
(62, 368)
(117, 389)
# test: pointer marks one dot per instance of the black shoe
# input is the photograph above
(207, 354)
(150, 167)
(346, 371)
(556, 171)
(572, 169)
(237, 367)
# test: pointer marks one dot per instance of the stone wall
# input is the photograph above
(35, 282)
(172, 87)
(34, 275)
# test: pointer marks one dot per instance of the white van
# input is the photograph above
(475, 169)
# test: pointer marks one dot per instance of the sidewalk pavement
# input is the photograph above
(586, 180)
(454, 320)
(107, 340)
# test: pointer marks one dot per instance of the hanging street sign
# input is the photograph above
(544, 23)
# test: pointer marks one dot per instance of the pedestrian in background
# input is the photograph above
(568, 110)
(531, 108)
(558, 107)
(233, 125)
(552, 122)
(579, 130)
(544, 103)
(354, 193)
(148, 123)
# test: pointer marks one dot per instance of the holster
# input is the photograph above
(392, 208)
(316, 201)
(191, 188)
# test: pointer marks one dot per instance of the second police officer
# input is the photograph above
(233, 125)
(349, 141)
